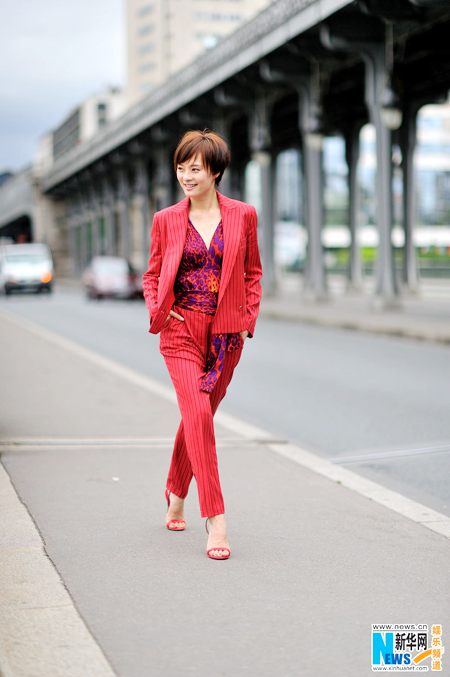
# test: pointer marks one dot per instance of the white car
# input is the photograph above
(26, 267)
(111, 276)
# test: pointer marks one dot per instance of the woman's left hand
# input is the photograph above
(244, 334)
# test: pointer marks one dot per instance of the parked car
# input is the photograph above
(112, 277)
(26, 267)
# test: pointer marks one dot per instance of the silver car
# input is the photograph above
(110, 276)
(26, 267)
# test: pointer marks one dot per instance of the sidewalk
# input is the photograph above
(93, 584)
(423, 316)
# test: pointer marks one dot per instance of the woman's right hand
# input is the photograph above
(174, 314)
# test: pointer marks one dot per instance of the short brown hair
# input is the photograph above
(210, 146)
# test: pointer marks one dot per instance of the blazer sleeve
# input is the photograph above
(150, 279)
(253, 273)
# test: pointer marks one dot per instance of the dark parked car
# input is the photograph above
(112, 277)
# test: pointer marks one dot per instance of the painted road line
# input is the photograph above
(398, 453)
(414, 511)
(39, 443)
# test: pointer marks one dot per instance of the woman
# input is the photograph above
(203, 290)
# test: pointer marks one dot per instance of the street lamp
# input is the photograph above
(390, 111)
(314, 141)
(314, 136)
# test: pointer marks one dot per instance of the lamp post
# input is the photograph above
(390, 112)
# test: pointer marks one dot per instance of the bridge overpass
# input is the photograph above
(299, 71)
(17, 205)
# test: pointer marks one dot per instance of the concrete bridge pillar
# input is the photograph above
(386, 288)
(72, 225)
(50, 226)
(86, 231)
(407, 136)
(162, 179)
(236, 177)
(141, 217)
(221, 125)
(260, 146)
(109, 216)
(309, 113)
(95, 220)
(355, 277)
(123, 203)
(377, 55)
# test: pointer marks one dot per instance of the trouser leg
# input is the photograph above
(195, 408)
(180, 471)
(204, 461)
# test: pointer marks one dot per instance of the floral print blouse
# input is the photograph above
(197, 288)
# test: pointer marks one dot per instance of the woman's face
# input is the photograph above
(195, 179)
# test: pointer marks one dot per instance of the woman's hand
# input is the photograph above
(244, 334)
(174, 314)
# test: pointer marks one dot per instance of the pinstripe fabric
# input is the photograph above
(240, 287)
(185, 344)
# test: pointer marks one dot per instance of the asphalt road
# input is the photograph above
(372, 401)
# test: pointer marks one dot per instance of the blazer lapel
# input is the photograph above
(231, 238)
(176, 237)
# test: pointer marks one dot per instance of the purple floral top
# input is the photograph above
(197, 288)
(198, 278)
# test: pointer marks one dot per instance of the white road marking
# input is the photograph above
(395, 453)
(47, 442)
(414, 511)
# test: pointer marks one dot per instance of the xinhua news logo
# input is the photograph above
(403, 647)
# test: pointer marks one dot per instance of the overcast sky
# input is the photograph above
(53, 54)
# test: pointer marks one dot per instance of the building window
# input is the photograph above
(147, 48)
(215, 16)
(146, 86)
(67, 135)
(146, 67)
(145, 30)
(102, 111)
(209, 40)
(146, 9)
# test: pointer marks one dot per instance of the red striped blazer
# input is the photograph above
(240, 287)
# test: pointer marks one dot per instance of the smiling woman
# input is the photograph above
(206, 146)
(203, 291)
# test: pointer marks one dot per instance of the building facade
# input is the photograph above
(164, 36)
(80, 125)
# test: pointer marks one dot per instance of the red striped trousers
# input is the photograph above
(185, 346)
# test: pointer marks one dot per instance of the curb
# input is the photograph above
(355, 325)
(41, 631)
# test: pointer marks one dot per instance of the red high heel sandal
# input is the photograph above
(212, 549)
(170, 523)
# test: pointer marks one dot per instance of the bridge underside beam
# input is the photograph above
(277, 53)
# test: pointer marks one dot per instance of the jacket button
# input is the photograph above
(240, 307)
